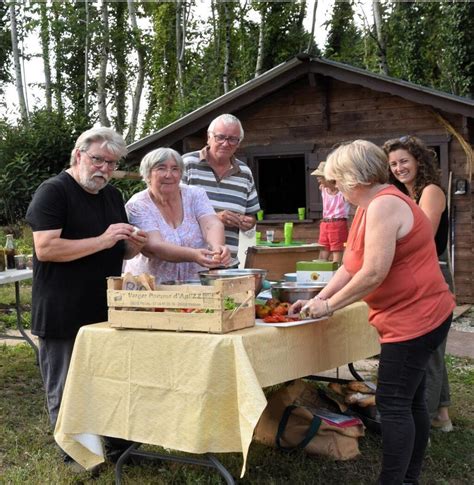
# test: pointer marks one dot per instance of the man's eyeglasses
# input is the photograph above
(99, 161)
(232, 140)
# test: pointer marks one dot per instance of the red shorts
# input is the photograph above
(333, 235)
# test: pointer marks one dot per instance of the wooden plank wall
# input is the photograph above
(332, 111)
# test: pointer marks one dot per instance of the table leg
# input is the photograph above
(18, 319)
(209, 461)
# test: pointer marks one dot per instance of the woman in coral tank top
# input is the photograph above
(390, 262)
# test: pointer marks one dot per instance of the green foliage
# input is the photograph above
(29, 155)
(432, 44)
(5, 46)
(128, 187)
(344, 42)
(456, 65)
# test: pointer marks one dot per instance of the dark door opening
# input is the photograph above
(281, 184)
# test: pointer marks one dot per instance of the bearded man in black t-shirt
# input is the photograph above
(81, 236)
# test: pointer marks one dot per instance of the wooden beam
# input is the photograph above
(122, 174)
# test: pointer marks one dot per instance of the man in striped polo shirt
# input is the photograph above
(228, 181)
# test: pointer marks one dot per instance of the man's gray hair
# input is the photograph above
(158, 157)
(227, 119)
(112, 141)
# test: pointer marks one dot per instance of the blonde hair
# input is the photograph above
(357, 163)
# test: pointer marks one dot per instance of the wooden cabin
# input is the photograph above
(295, 113)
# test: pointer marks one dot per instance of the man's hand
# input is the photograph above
(247, 222)
(114, 233)
(233, 219)
(135, 242)
(229, 218)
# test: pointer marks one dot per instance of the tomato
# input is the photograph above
(262, 311)
(273, 303)
(281, 309)
(274, 319)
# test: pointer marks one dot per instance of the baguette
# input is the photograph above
(359, 398)
(359, 386)
(337, 388)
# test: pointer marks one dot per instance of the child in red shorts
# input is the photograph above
(333, 229)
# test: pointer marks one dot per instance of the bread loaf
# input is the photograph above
(359, 386)
(337, 388)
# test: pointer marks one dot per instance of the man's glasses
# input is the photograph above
(232, 140)
(99, 161)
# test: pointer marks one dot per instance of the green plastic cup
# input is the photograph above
(258, 237)
(260, 215)
(301, 213)
(288, 232)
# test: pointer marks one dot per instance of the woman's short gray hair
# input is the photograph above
(158, 157)
(357, 163)
(227, 119)
(112, 141)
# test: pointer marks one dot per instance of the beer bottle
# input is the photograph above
(10, 251)
(2, 259)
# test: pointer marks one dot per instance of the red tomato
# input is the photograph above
(281, 309)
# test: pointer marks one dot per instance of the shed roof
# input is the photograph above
(289, 71)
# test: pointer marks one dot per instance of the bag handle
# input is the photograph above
(310, 433)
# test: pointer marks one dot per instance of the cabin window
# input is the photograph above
(283, 180)
(281, 185)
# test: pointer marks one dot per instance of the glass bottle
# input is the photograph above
(2, 259)
(10, 251)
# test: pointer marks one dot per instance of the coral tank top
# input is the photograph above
(414, 298)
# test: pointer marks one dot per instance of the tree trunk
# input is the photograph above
(45, 56)
(59, 61)
(86, 61)
(228, 26)
(102, 77)
(17, 64)
(118, 48)
(311, 41)
(215, 31)
(382, 54)
(180, 45)
(137, 94)
(261, 45)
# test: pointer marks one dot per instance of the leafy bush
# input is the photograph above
(30, 154)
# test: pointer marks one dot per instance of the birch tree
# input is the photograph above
(261, 44)
(227, 46)
(17, 64)
(140, 81)
(181, 19)
(45, 54)
(86, 58)
(382, 50)
(311, 44)
(102, 76)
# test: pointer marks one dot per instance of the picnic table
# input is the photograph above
(194, 392)
(15, 276)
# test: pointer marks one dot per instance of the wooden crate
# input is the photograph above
(137, 309)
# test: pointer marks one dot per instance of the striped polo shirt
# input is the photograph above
(235, 191)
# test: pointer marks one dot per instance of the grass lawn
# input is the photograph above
(28, 454)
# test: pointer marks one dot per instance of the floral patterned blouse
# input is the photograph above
(143, 213)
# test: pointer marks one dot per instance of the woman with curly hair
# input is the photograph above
(414, 170)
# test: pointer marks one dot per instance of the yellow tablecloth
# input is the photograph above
(193, 392)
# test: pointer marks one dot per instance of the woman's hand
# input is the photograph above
(314, 308)
(221, 255)
(210, 258)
